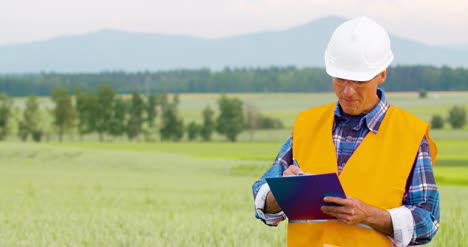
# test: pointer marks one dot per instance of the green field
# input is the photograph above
(183, 194)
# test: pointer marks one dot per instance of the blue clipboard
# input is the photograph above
(300, 197)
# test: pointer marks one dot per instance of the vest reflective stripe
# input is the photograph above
(376, 173)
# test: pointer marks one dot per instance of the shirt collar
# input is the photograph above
(371, 120)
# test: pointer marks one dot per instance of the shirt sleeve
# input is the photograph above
(421, 202)
(261, 189)
(269, 219)
(403, 225)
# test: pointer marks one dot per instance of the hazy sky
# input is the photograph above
(429, 21)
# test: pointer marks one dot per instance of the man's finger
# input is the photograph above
(296, 170)
(336, 200)
(334, 209)
(292, 171)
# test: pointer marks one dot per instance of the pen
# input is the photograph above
(297, 165)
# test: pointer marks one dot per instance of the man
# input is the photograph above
(383, 155)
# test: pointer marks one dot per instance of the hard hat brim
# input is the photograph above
(356, 75)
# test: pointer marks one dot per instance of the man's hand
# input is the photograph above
(353, 211)
(292, 171)
(271, 206)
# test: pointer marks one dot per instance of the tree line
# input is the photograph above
(111, 116)
(229, 80)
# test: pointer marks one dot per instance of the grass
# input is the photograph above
(56, 196)
(451, 167)
(137, 194)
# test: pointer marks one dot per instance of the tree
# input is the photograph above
(437, 122)
(135, 121)
(5, 113)
(87, 110)
(271, 79)
(457, 117)
(151, 111)
(172, 127)
(176, 99)
(163, 100)
(230, 121)
(117, 122)
(252, 119)
(265, 122)
(80, 111)
(422, 93)
(105, 102)
(63, 112)
(23, 130)
(193, 131)
(31, 122)
(208, 124)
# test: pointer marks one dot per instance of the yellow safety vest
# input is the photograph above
(375, 174)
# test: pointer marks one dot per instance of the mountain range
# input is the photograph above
(111, 50)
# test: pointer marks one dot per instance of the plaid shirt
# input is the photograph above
(421, 199)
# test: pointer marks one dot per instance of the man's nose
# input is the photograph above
(348, 87)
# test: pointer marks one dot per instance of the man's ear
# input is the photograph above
(382, 77)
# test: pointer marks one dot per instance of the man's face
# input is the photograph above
(358, 97)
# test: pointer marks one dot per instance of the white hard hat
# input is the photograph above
(358, 50)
